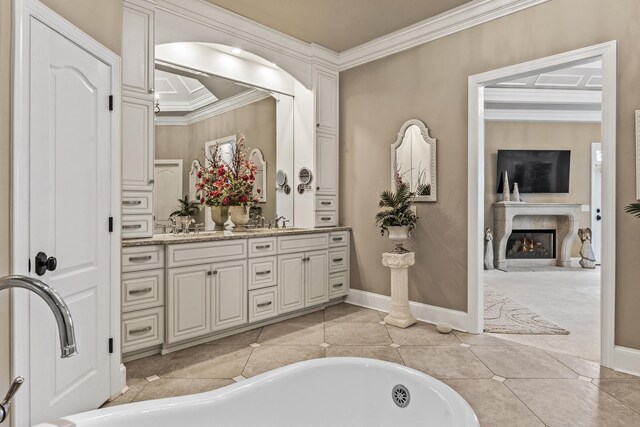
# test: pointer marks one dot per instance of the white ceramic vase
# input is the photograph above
(399, 234)
(240, 217)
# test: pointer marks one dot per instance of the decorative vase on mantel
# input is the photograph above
(398, 234)
(240, 217)
(219, 215)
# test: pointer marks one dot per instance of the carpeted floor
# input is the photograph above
(504, 315)
(568, 297)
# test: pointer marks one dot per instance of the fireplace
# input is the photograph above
(531, 244)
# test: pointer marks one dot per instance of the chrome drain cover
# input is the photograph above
(400, 395)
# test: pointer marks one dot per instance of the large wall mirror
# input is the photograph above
(413, 160)
(197, 112)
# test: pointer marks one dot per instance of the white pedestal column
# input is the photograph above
(399, 314)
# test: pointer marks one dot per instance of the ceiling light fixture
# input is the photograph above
(236, 51)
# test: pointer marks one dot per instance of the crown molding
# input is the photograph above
(192, 105)
(213, 110)
(461, 18)
(284, 49)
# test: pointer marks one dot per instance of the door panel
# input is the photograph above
(188, 301)
(137, 144)
(317, 280)
(290, 282)
(167, 188)
(230, 300)
(70, 192)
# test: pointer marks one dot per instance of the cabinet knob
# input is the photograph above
(317, 125)
(152, 91)
(317, 188)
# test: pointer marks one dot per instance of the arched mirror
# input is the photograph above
(413, 160)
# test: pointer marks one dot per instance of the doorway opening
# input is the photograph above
(542, 107)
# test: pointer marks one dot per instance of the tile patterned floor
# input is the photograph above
(506, 383)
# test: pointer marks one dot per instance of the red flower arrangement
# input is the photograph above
(228, 184)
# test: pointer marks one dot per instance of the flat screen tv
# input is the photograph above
(535, 171)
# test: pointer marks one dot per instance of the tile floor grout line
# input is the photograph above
(615, 398)
(522, 401)
(482, 361)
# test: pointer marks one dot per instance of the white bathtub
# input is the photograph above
(323, 392)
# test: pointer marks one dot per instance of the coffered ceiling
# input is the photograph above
(338, 24)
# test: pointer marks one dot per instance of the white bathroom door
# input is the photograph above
(596, 199)
(167, 188)
(69, 195)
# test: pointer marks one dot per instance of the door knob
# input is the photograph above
(44, 263)
(598, 217)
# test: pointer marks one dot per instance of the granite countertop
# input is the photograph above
(209, 236)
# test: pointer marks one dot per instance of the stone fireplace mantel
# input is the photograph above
(509, 216)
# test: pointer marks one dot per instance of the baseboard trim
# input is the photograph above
(423, 312)
(626, 360)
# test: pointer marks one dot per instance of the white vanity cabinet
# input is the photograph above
(180, 294)
(326, 147)
(137, 118)
(137, 48)
(205, 298)
(142, 298)
(303, 265)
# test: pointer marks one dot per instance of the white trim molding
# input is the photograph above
(423, 312)
(289, 52)
(626, 360)
(468, 15)
(475, 166)
(549, 115)
(215, 109)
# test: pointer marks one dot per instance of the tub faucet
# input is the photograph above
(63, 319)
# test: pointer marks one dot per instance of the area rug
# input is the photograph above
(503, 315)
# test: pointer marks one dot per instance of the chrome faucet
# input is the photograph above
(63, 319)
(278, 218)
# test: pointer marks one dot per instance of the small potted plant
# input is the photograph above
(397, 218)
(633, 209)
(186, 209)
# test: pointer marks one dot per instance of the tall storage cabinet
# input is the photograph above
(326, 153)
(137, 119)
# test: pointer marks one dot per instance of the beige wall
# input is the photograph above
(430, 82)
(257, 121)
(102, 19)
(576, 137)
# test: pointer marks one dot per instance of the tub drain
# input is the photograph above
(400, 396)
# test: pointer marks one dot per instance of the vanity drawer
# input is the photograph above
(338, 260)
(338, 284)
(325, 203)
(262, 304)
(142, 289)
(142, 329)
(302, 243)
(136, 226)
(338, 238)
(136, 202)
(262, 272)
(138, 258)
(326, 219)
(262, 247)
(206, 252)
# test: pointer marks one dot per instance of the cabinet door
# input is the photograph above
(326, 165)
(317, 278)
(230, 294)
(326, 101)
(188, 302)
(290, 282)
(137, 144)
(137, 49)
